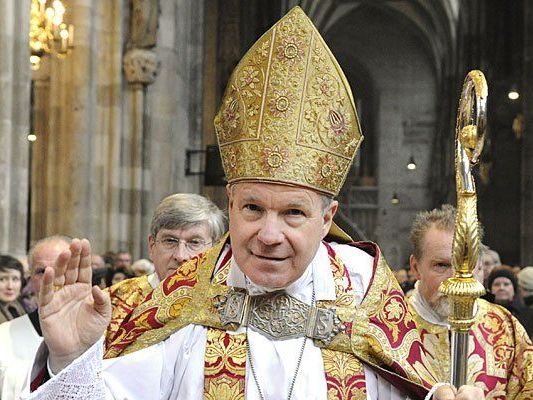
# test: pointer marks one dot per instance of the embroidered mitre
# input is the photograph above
(288, 115)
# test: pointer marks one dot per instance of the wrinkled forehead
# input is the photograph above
(437, 243)
(263, 191)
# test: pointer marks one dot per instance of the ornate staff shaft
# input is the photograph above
(463, 289)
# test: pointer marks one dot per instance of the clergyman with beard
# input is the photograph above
(497, 373)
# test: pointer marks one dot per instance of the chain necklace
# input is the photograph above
(299, 362)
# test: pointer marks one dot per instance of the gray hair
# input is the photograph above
(326, 202)
(487, 251)
(49, 239)
(441, 218)
(182, 210)
(143, 265)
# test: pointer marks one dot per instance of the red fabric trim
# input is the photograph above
(41, 378)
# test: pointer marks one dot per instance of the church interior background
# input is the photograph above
(125, 117)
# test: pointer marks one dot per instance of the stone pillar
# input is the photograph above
(526, 204)
(39, 149)
(174, 101)
(14, 125)
(140, 68)
(80, 114)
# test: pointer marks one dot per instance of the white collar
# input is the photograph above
(318, 273)
(153, 280)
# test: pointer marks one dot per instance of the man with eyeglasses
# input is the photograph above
(183, 226)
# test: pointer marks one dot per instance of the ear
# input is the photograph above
(328, 217)
(151, 244)
(229, 193)
(413, 263)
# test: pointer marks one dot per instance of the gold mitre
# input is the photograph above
(288, 114)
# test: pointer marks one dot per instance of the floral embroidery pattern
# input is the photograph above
(288, 91)
(275, 157)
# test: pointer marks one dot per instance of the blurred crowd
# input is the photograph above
(18, 288)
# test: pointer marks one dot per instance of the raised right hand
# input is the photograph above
(73, 314)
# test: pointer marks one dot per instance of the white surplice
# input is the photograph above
(19, 342)
(174, 368)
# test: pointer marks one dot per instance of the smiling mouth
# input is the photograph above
(267, 258)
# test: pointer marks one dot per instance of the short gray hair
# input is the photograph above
(441, 218)
(49, 239)
(487, 251)
(326, 202)
(182, 210)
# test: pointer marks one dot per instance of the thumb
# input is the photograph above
(102, 302)
(445, 392)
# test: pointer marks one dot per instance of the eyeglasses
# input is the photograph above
(193, 245)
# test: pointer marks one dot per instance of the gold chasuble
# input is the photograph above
(225, 355)
(380, 332)
(125, 296)
(501, 354)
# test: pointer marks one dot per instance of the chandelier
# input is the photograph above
(49, 34)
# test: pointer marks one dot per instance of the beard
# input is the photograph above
(441, 306)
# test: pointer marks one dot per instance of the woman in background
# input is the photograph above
(11, 271)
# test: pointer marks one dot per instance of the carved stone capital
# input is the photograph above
(141, 66)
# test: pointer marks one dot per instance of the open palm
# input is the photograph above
(73, 314)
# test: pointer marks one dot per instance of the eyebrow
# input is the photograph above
(171, 236)
(293, 204)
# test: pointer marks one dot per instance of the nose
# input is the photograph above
(270, 232)
(181, 254)
(10, 284)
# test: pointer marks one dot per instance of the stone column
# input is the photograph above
(79, 116)
(140, 68)
(14, 124)
(39, 149)
(526, 204)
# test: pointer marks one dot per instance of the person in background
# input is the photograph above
(503, 285)
(525, 282)
(109, 258)
(116, 275)
(516, 269)
(100, 269)
(490, 259)
(497, 372)
(122, 260)
(11, 281)
(142, 267)
(183, 226)
(97, 262)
